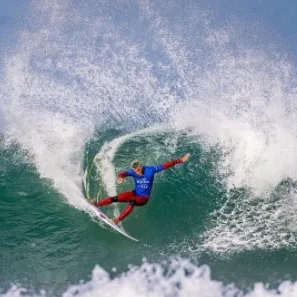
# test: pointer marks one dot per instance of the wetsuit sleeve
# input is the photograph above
(167, 165)
(123, 174)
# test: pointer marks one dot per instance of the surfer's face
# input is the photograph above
(138, 170)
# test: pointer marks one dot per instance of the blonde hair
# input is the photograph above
(135, 164)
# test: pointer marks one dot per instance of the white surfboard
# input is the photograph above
(104, 218)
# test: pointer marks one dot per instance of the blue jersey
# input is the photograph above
(144, 183)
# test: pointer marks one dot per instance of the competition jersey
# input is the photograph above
(144, 183)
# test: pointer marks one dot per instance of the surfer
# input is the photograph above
(143, 178)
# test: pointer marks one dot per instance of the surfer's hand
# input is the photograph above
(185, 157)
(120, 180)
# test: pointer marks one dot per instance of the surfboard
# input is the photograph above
(105, 219)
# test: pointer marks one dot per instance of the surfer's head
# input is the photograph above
(137, 167)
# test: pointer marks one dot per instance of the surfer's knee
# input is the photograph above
(133, 203)
(114, 199)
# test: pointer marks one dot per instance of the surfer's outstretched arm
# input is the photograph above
(172, 163)
(124, 174)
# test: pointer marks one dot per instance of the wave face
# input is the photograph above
(140, 79)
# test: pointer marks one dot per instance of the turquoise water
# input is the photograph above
(86, 82)
(48, 245)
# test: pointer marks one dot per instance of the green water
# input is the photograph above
(46, 244)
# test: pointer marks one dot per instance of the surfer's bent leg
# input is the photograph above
(126, 197)
(126, 211)
(137, 201)
(123, 197)
(107, 201)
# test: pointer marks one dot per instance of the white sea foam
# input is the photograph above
(254, 124)
(179, 278)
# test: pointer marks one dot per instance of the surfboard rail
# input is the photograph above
(104, 218)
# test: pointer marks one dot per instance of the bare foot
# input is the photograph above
(115, 221)
(93, 201)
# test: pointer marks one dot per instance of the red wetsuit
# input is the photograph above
(143, 186)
